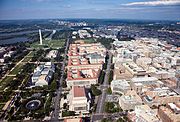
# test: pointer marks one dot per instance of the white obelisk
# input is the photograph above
(40, 37)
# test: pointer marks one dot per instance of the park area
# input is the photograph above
(90, 40)
(54, 44)
(37, 103)
(16, 69)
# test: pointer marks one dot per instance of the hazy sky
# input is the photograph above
(119, 9)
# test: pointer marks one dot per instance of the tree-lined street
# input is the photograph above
(102, 97)
(55, 114)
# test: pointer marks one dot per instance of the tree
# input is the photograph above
(105, 65)
(17, 103)
(120, 120)
(94, 107)
(101, 77)
(109, 91)
(65, 106)
(95, 90)
(68, 113)
(64, 85)
(106, 42)
(56, 76)
(110, 76)
(53, 86)
(105, 120)
(110, 107)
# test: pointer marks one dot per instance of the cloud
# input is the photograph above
(154, 3)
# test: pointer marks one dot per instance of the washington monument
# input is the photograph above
(40, 37)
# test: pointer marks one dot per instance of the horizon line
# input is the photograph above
(88, 19)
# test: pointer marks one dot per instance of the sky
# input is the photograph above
(100, 9)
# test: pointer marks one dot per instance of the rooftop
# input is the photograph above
(120, 83)
(144, 79)
(131, 97)
(73, 120)
(84, 73)
(174, 115)
(146, 112)
(81, 49)
(79, 91)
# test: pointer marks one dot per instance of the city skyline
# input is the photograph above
(98, 9)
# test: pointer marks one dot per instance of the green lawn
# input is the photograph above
(49, 44)
(5, 81)
(1, 106)
(16, 69)
(89, 40)
(31, 54)
(57, 43)
(26, 59)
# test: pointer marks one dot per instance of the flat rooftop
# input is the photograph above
(144, 79)
(79, 91)
(84, 73)
(146, 112)
(81, 49)
(73, 120)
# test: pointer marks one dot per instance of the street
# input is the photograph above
(55, 114)
(102, 97)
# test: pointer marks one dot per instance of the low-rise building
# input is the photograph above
(42, 80)
(129, 100)
(170, 113)
(144, 113)
(79, 100)
(160, 96)
(83, 34)
(73, 120)
(79, 63)
(120, 71)
(85, 62)
(9, 54)
(175, 61)
(82, 77)
(134, 69)
(43, 74)
(142, 84)
(79, 50)
(52, 54)
(120, 86)
(162, 74)
(96, 58)
(144, 62)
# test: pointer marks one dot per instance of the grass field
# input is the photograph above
(26, 59)
(16, 69)
(31, 54)
(1, 106)
(49, 44)
(89, 40)
(5, 81)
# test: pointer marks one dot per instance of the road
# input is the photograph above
(55, 114)
(104, 86)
